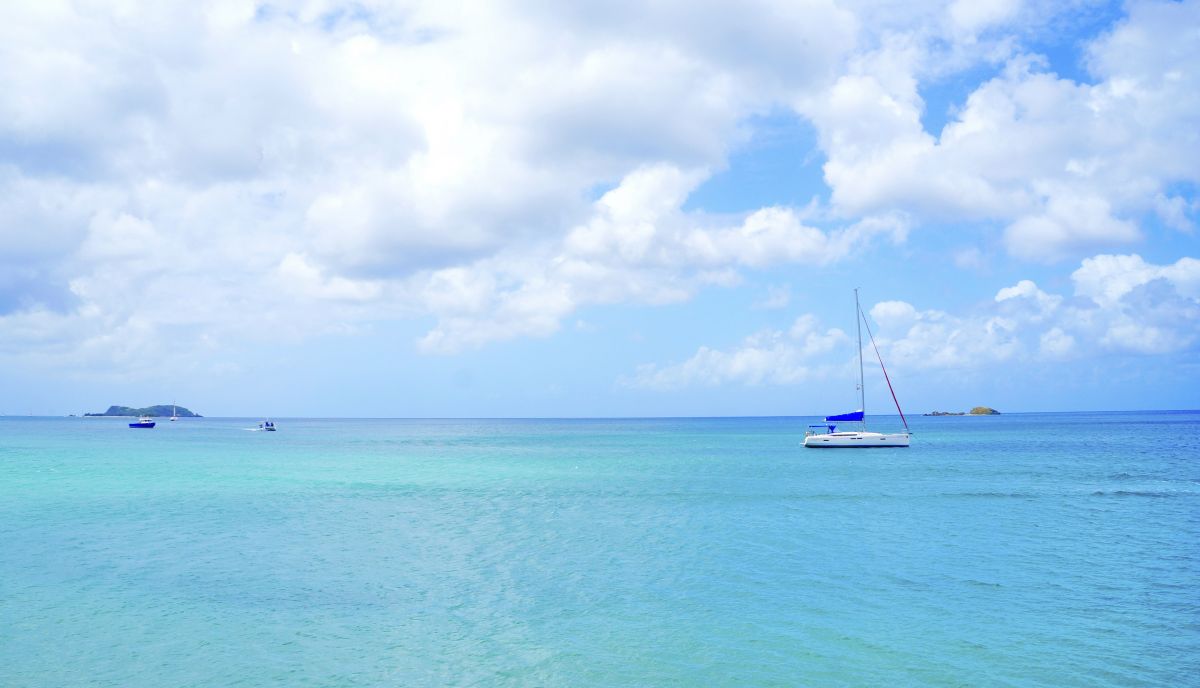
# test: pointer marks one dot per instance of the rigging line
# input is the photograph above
(881, 365)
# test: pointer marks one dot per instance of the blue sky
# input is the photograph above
(601, 209)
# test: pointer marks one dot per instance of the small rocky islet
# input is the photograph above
(159, 410)
(977, 411)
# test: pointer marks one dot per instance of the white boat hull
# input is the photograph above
(840, 440)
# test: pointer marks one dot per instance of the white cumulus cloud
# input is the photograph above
(637, 246)
(1122, 304)
(1067, 166)
(770, 357)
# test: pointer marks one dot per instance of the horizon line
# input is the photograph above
(614, 417)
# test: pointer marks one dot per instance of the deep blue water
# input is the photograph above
(1019, 550)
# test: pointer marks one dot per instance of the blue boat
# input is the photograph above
(143, 422)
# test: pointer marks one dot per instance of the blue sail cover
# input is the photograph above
(853, 415)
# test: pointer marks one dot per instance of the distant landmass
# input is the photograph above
(160, 410)
(977, 411)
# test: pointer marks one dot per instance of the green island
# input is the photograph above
(158, 410)
(977, 411)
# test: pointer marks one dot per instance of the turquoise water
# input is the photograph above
(1019, 550)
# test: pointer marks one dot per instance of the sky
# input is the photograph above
(523, 208)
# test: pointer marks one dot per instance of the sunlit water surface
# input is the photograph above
(1019, 550)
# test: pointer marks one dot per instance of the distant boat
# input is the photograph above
(173, 416)
(266, 426)
(832, 438)
(143, 422)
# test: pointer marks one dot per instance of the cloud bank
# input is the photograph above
(1121, 305)
(179, 175)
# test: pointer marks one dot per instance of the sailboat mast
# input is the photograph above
(862, 392)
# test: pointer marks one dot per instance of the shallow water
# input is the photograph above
(1018, 550)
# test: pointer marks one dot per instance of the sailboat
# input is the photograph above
(173, 416)
(832, 438)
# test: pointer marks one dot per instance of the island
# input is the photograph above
(153, 411)
(977, 411)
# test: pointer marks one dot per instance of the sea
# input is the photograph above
(1028, 549)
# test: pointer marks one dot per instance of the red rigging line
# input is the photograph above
(881, 365)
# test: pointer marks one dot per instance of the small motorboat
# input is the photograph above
(143, 422)
(267, 426)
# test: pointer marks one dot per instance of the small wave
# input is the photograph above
(983, 584)
(992, 495)
(1136, 493)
